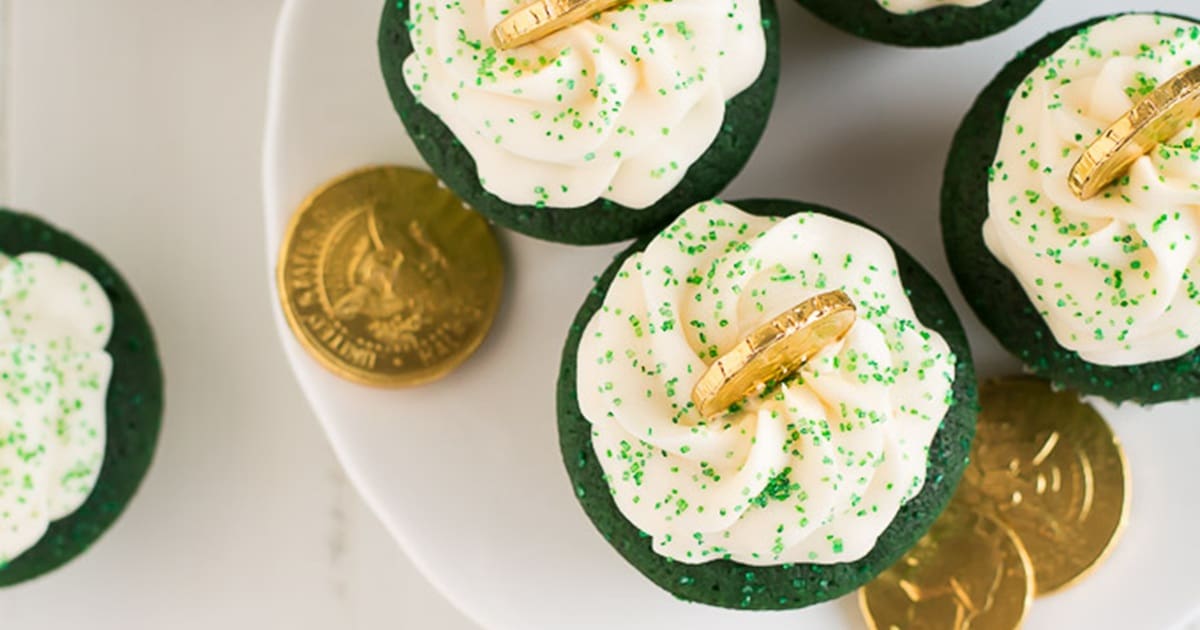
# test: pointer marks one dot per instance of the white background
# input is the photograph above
(137, 125)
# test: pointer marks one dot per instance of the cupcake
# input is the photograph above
(600, 132)
(1099, 295)
(922, 22)
(82, 397)
(802, 491)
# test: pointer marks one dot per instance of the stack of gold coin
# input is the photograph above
(1042, 503)
(387, 279)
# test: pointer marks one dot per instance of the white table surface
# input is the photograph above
(137, 125)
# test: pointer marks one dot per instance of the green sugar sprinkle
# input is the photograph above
(810, 461)
(53, 388)
(1114, 275)
(585, 97)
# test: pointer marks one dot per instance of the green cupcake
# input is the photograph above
(922, 22)
(796, 495)
(82, 397)
(1097, 295)
(601, 132)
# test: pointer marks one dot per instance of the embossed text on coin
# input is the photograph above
(388, 279)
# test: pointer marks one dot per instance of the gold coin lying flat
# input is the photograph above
(774, 350)
(1049, 467)
(387, 279)
(969, 571)
(1157, 118)
(539, 18)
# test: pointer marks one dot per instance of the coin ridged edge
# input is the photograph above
(809, 313)
(538, 19)
(1125, 131)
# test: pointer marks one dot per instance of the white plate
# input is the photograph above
(466, 473)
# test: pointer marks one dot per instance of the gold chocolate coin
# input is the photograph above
(774, 350)
(1155, 119)
(969, 571)
(387, 278)
(539, 18)
(1049, 467)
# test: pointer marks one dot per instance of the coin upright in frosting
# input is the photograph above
(619, 107)
(1048, 466)
(1112, 277)
(812, 471)
(540, 18)
(774, 351)
(969, 571)
(387, 278)
(1157, 118)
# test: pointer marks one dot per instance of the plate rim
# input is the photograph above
(274, 212)
(284, 43)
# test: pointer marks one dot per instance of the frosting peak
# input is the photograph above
(815, 470)
(618, 106)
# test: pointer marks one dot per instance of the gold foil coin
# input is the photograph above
(969, 571)
(1049, 467)
(539, 18)
(774, 350)
(387, 278)
(1155, 119)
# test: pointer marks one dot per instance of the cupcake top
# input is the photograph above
(55, 322)
(618, 106)
(812, 471)
(1114, 277)
(916, 6)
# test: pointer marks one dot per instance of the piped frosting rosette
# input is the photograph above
(1114, 277)
(812, 471)
(55, 321)
(618, 106)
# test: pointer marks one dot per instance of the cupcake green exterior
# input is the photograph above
(601, 221)
(134, 405)
(995, 294)
(941, 26)
(733, 585)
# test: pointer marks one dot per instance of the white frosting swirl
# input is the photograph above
(812, 472)
(916, 6)
(618, 106)
(1115, 278)
(55, 322)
